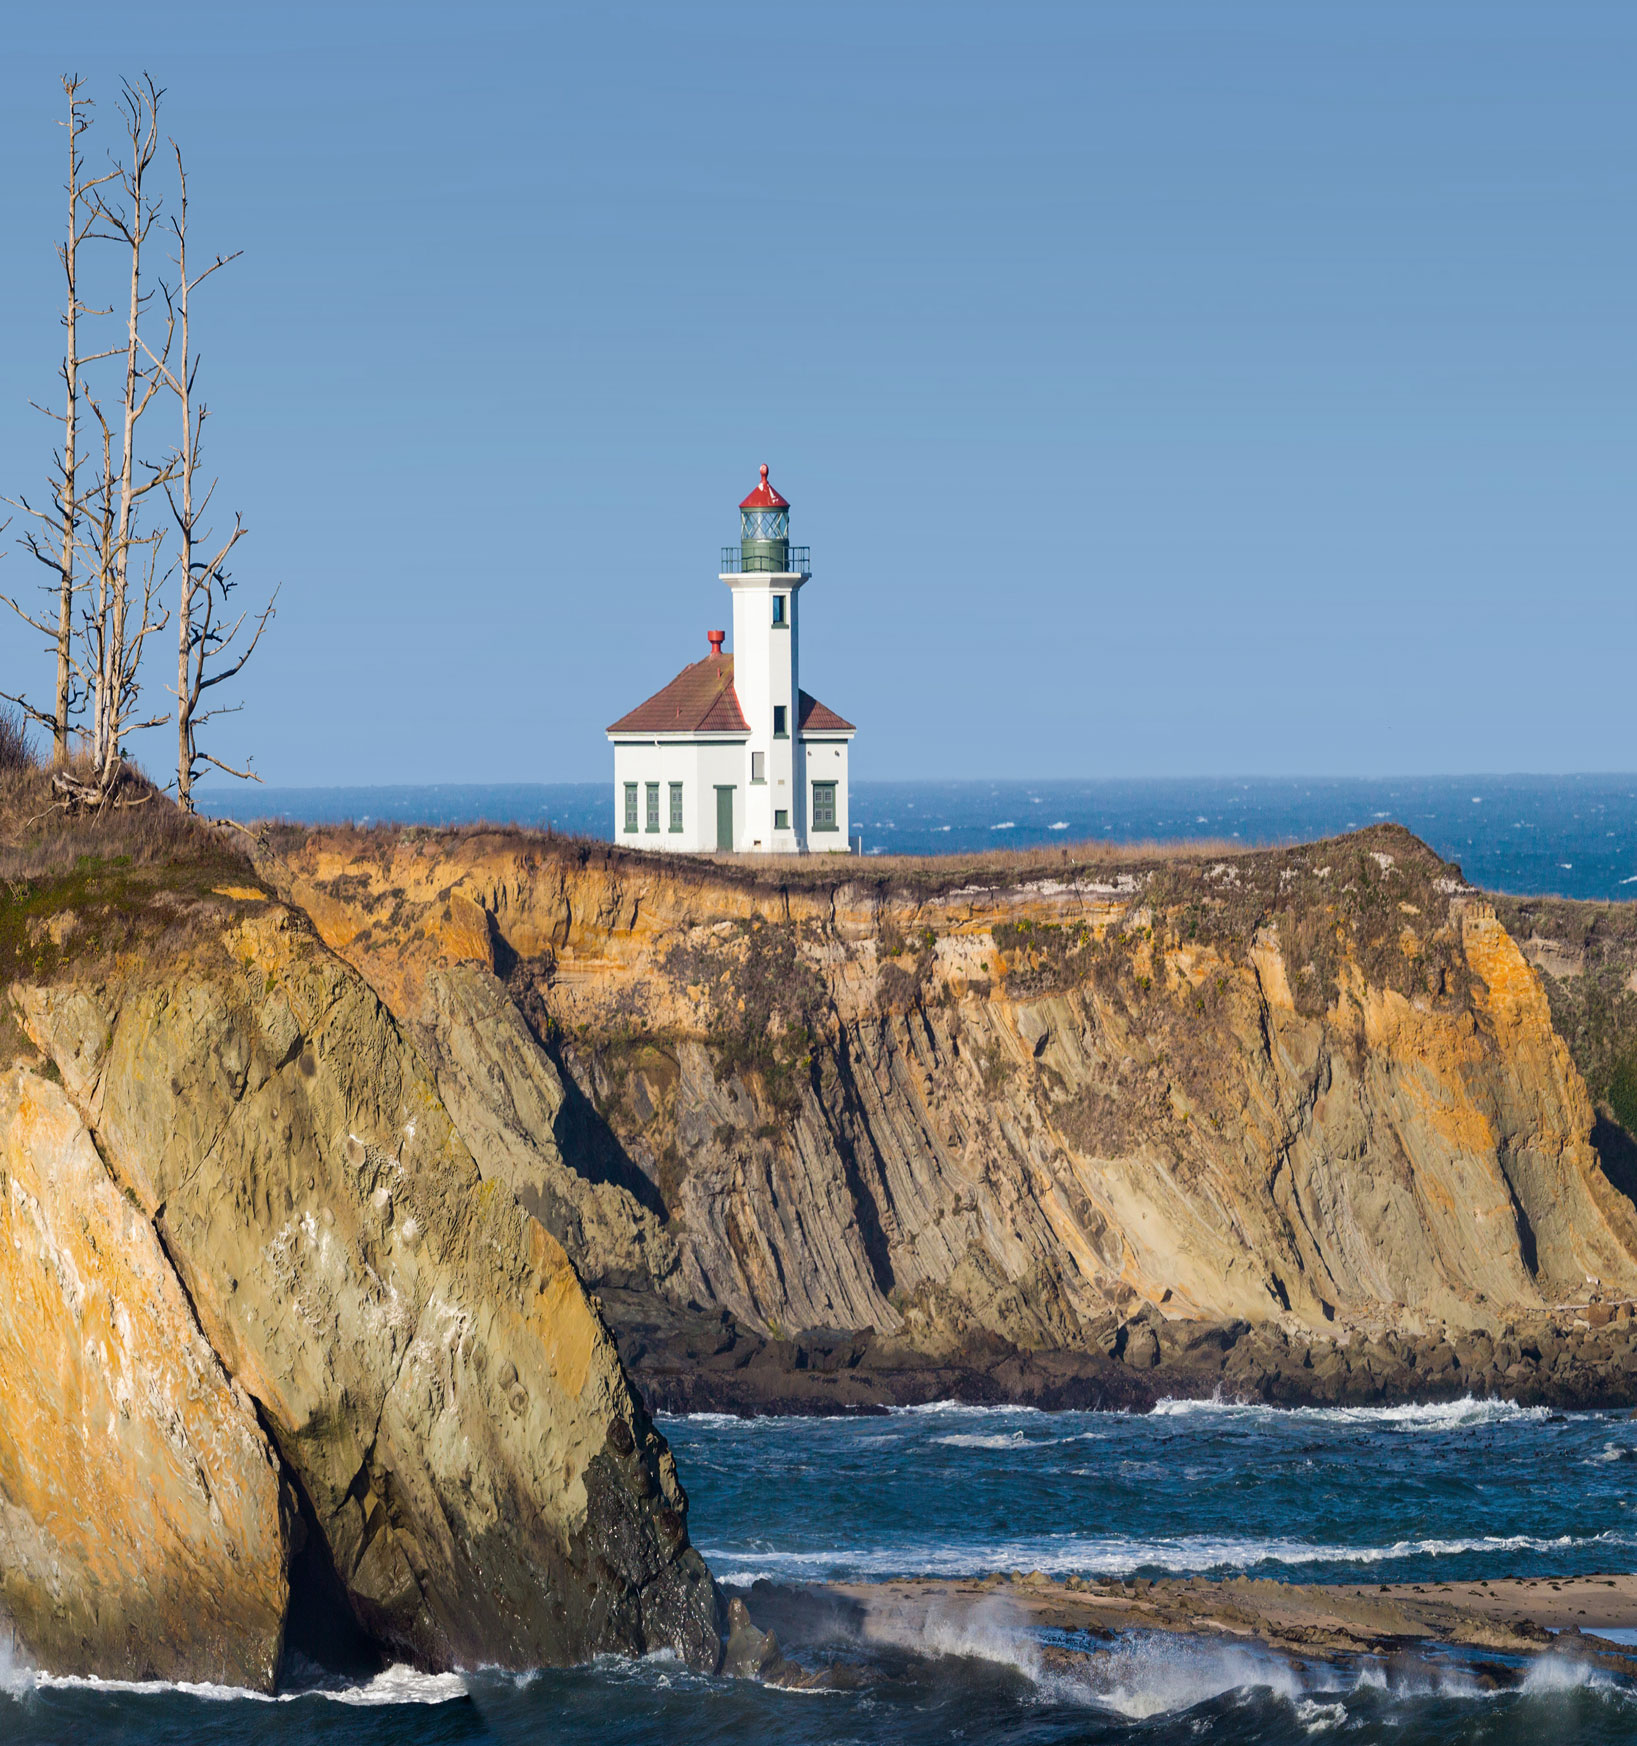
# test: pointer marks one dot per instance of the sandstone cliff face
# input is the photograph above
(449, 1408)
(1319, 1087)
(142, 1531)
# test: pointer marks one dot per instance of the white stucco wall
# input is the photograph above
(700, 766)
(766, 676)
(825, 758)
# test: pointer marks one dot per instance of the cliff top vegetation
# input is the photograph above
(82, 883)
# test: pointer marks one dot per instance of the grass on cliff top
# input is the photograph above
(907, 875)
(912, 877)
(74, 887)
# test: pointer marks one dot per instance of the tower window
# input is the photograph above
(778, 609)
(758, 766)
(653, 806)
(676, 806)
(781, 820)
(781, 716)
(630, 806)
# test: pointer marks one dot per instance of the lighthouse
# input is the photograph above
(732, 755)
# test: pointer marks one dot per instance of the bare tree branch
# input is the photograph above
(203, 580)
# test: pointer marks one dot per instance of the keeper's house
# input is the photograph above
(733, 755)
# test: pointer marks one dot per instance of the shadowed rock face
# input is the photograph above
(1316, 1088)
(437, 1382)
(142, 1531)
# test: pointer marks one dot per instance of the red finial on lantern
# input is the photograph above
(764, 496)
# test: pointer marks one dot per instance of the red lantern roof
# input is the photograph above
(764, 496)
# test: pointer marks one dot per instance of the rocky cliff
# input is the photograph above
(821, 1138)
(277, 1347)
(307, 1175)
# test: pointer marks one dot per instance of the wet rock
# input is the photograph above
(750, 1653)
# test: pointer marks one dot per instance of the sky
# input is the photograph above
(1163, 389)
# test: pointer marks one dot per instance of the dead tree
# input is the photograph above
(206, 655)
(54, 542)
(113, 637)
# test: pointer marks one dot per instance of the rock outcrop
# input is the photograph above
(965, 1120)
(271, 1209)
(142, 1530)
(305, 1184)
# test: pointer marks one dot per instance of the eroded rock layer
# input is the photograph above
(142, 1531)
(276, 1201)
(983, 1115)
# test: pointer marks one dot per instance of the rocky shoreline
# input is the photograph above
(684, 1361)
(1515, 1617)
(1489, 1633)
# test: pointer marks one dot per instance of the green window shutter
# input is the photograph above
(630, 806)
(676, 806)
(653, 806)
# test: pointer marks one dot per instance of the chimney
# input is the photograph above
(716, 639)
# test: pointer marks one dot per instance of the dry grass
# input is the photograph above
(1053, 859)
(39, 841)
(913, 875)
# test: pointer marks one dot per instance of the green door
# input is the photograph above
(724, 819)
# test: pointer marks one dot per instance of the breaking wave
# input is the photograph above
(397, 1684)
(1111, 1555)
(1446, 1415)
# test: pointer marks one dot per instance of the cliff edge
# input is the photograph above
(1012, 1130)
(276, 1350)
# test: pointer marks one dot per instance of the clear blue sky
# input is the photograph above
(1162, 388)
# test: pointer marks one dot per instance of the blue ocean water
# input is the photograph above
(1570, 836)
(1462, 1491)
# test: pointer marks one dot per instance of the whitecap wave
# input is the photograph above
(1434, 1416)
(395, 1685)
(1112, 1555)
(1554, 1673)
(1142, 1676)
(993, 1630)
(1019, 1439)
(961, 1408)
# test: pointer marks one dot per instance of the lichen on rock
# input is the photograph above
(143, 1534)
(437, 1381)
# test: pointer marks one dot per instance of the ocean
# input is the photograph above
(1568, 836)
(1438, 1493)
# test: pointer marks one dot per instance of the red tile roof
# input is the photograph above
(764, 496)
(814, 718)
(699, 700)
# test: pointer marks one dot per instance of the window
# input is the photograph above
(778, 610)
(824, 806)
(781, 820)
(758, 766)
(781, 715)
(630, 806)
(676, 806)
(653, 806)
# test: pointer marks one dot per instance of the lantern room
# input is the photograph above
(764, 530)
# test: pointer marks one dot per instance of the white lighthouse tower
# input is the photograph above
(766, 576)
(733, 754)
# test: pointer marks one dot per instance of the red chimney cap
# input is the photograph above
(715, 639)
(764, 496)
